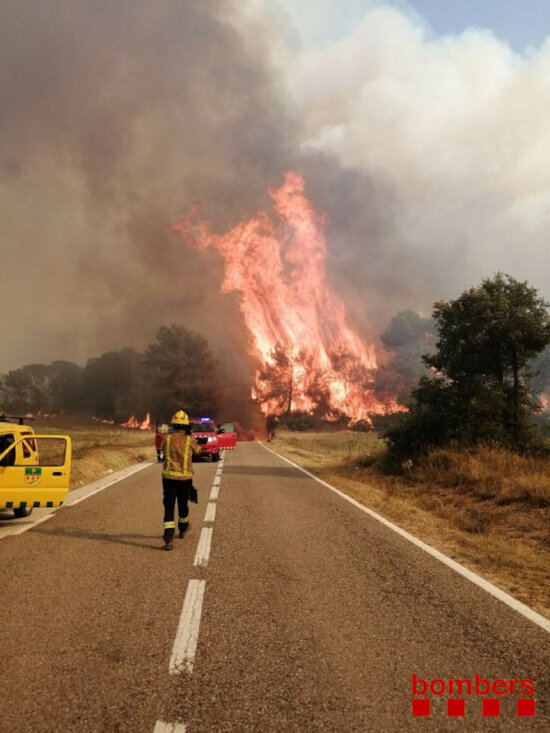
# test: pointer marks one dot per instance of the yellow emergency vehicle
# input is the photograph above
(34, 469)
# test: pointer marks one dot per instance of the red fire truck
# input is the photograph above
(211, 439)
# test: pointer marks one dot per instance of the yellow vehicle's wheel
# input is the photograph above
(22, 512)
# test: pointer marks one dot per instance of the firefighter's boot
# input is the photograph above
(183, 526)
(168, 538)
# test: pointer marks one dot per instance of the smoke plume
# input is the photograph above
(442, 153)
(115, 117)
(431, 158)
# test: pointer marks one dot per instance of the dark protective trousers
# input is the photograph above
(173, 489)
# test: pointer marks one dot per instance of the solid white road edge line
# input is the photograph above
(86, 491)
(214, 493)
(162, 727)
(210, 514)
(509, 600)
(203, 548)
(36, 522)
(187, 635)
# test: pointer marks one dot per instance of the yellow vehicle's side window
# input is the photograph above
(29, 445)
(5, 441)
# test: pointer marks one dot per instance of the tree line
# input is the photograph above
(471, 372)
(177, 369)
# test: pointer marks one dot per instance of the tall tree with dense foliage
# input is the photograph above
(479, 387)
(115, 385)
(27, 388)
(182, 373)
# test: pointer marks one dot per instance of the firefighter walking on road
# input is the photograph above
(177, 476)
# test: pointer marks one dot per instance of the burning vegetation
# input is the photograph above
(136, 424)
(308, 358)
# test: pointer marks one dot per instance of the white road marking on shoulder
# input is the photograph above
(217, 481)
(26, 527)
(214, 493)
(509, 600)
(203, 549)
(210, 515)
(162, 727)
(17, 527)
(187, 635)
(86, 491)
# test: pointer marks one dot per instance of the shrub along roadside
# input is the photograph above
(486, 508)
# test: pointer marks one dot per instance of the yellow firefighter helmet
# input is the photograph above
(180, 418)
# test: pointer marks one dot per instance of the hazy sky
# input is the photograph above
(522, 23)
(421, 130)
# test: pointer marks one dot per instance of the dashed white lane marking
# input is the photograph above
(210, 515)
(187, 635)
(162, 727)
(203, 548)
(185, 644)
(509, 600)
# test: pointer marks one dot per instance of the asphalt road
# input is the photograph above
(310, 616)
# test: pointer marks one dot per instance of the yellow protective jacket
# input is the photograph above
(178, 449)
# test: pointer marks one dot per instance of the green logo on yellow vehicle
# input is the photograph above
(33, 474)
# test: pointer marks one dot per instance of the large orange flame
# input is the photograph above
(309, 359)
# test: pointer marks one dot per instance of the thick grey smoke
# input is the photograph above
(443, 148)
(115, 117)
(431, 158)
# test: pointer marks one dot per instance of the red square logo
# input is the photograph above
(526, 707)
(491, 708)
(455, 708)
(421, 708)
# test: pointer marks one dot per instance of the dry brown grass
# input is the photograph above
(487, 509)
(98, 449)
(491, 473)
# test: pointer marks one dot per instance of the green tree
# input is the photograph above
(114, 385)
(27, 389)
(66, 387)
(182, 373)
(479, 387)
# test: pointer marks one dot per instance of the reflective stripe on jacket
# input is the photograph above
(178, 449)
